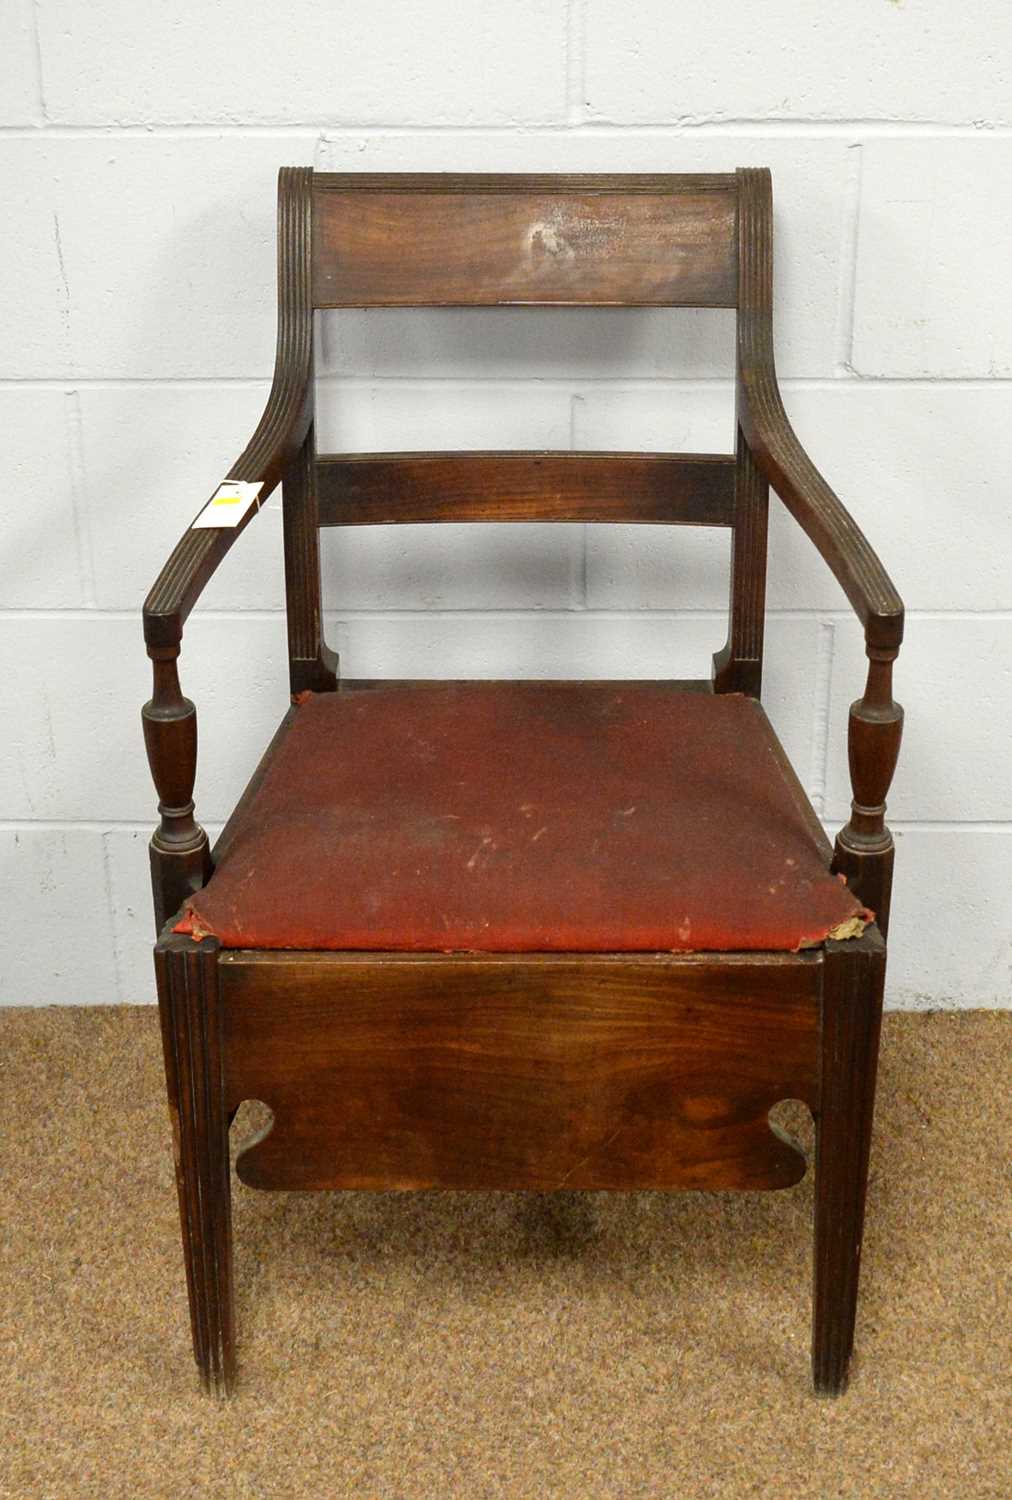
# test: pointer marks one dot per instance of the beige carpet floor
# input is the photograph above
(576, 1345)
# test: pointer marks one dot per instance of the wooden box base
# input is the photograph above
(520, 1072)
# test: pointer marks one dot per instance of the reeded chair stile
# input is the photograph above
(522, 935)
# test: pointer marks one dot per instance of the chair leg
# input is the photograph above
(188, 1001)
(851, 1016)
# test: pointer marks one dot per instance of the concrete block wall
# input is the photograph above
(138, 150)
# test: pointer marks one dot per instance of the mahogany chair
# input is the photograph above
(523, 935)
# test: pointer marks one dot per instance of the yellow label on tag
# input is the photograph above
(229, 504)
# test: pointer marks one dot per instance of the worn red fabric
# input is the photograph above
(523, 816)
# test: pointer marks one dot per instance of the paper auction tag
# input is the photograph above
(228, 504)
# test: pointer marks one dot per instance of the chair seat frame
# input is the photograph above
(568, 1070)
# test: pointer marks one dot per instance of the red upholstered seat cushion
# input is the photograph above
(520, 817)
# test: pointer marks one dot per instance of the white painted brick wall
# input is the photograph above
(927, 60)
(139, 145)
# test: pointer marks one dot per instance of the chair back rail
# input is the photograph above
(441, 241)
(473, 240)
(686, 489)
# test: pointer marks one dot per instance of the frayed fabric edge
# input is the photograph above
(189, 926)
(851, 927)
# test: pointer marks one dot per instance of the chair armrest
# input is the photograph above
(864, 850)
(280, 431)
(180, 853)
(181, 581)
(817, 509)
(198, 552)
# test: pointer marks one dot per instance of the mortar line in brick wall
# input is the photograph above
(933, 825)
(78, 495)
(581, 586)
(125, 382)
(617, 382)
(214, 827)
(339, 382)
(554, 612)
(91, 825)
(319, 164)
(80, 825)
(40, 82)
(798, 125)
(334, 381)
(937, 825)
(822, 696)
(115, 918)
(51, 130)
(847, 294)
(916, 382)
(576, 62)
(686, 612)
(758, 125)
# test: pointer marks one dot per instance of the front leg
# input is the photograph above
(853, 976)
(189, 1003)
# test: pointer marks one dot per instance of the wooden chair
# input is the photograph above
(523, 935)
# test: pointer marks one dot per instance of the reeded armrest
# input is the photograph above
(180, 854)
(773, 442)
(279, 433)
(180, 583)
(198, 552)
(820, 513)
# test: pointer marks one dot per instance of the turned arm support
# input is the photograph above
(180, 854)
(864, 847)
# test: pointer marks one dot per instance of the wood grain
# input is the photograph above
(189, 1006)
(854, 974)
(279, 433)
(393, 1070)
(738, 667)
(312, 665)
(864, 850)
(774, 443)
(395, 241)
(179, 849)
(687, 489)
(528, 1071)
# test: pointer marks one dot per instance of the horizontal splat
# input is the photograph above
(682, 489)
